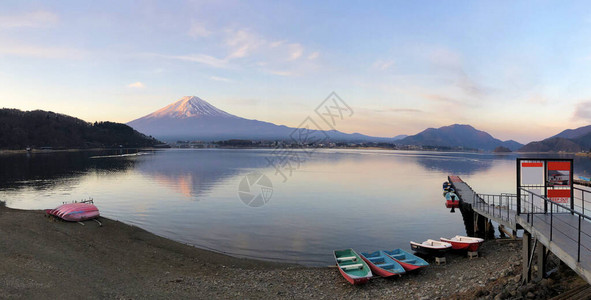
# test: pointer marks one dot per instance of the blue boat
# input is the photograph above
(585, 178)
(380, 263)
(452, 197)
(450, 190)
(408, 261)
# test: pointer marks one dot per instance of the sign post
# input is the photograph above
(550, 178)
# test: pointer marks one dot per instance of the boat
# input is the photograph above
(75, 212)
(449, 189)
(352, 267)
(446, 185)
(584, 178)
(445, 192)
(453, 197)
(459, 242)
(431, 247)
(452, 204)
(408, 261)
(381, 264)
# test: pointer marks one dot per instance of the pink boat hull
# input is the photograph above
(75, 212)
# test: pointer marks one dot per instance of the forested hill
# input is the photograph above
(38, 128)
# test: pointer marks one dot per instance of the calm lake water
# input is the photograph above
(367, 200)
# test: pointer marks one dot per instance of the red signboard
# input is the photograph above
(532, 164)
(559, 196)
(559, 165)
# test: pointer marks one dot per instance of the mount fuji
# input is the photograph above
(192, 118)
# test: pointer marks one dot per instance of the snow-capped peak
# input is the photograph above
(190, 106)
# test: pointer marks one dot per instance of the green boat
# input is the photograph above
(352, 267)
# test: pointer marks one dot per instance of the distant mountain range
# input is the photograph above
(458, 135)
(192, 118)
(38, 128)
(570, 140)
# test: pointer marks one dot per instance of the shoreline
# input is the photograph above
(23, 151)
(36, 151)
(49, 259)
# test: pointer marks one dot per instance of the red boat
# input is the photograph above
(451, 203)
(75, 212)
(464, 243)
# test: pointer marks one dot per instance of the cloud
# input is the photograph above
(35, 19)
(280, 73)
(450, 64)
(441, 98)
(217, 78)
(583, 111)
(444, 57)
(313, 55)
(399, 110)
(383, 65)
(246, 49)
(198, 58)
(137, 85)
(295, 51)
(276, 44)
(198, 30)
(243, 43)
(204, 59)
(537, 100)
(246, 101)
(468, 85)
(13, 48)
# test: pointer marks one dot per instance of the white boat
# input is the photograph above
(431, 247)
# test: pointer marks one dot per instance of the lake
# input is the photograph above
(361, 199)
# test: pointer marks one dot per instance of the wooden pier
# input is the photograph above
(562, 231)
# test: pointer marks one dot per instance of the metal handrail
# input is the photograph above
(581, 216)
(503, 201)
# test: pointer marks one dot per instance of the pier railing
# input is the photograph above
(500, 206)
(582, 199)
(571, 224)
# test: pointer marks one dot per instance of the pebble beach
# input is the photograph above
(42, 258)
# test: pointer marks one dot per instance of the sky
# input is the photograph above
(516, 69)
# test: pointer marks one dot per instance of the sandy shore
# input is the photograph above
(43, 259)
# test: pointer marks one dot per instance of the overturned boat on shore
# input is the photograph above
(75, 212)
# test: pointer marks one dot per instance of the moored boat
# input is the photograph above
(584, 178)
(452, 204)
(459, 242)
(75, 212)
(448, 191)
(381, 264)
(452, 197)
(408, 261)
(352, 267)
(431, 247)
